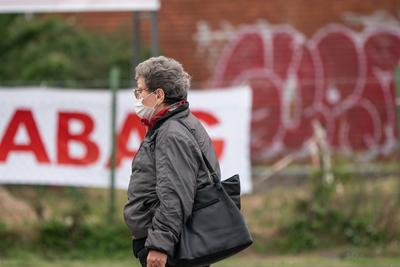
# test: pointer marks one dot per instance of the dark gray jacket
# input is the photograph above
(166, 171)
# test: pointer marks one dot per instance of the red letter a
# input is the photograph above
(34, 145)
(131, 124)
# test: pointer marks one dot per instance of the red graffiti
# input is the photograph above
(342, 78)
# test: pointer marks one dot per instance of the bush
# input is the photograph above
(8, 239)
(55, 235)
(58, 239)
(85, 240)
(317, 222)
(50, 51)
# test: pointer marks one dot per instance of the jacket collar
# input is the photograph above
(181, 111)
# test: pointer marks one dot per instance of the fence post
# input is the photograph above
(397, 77)
(397, 86)
(114, 84)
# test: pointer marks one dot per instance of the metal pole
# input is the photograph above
(114, 84)
(135, 39)
(155, 50)
(397, 76)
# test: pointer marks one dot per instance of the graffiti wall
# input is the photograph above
(339, 76)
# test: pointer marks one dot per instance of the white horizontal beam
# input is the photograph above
(49, 6)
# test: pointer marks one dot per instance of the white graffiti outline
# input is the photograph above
(289, 86)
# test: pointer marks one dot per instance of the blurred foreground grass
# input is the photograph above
(238, 261)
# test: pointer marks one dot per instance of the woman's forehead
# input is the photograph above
(140, 82)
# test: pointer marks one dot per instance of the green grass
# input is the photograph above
(307, 261)
(239, 261)
(265, 213)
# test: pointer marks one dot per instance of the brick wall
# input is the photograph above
(178, 21)
(306, 60)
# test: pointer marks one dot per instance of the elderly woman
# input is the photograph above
(168, 167)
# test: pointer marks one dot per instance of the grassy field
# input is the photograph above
(265, 213)
(240, 261)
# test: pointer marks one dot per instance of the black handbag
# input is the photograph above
(216, 228)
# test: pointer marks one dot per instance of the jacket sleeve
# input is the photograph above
(177, 167)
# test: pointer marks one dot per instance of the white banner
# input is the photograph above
(63, 137)
(41, 6)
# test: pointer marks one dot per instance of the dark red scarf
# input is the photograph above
(160, 114)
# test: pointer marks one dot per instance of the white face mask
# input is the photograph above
(143, 111)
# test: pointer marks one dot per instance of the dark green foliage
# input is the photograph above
(57, 239)
(8, 238)
(55, 235)
(361, 231)
(318, 223)
(327, 228)
(52, 52)
(77, 227)
(84, 240)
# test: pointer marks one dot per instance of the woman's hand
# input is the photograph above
(156, 259)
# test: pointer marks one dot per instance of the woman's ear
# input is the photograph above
(160, 94)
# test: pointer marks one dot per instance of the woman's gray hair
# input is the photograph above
(165, 73)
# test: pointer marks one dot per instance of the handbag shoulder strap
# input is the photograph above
(213, 175)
